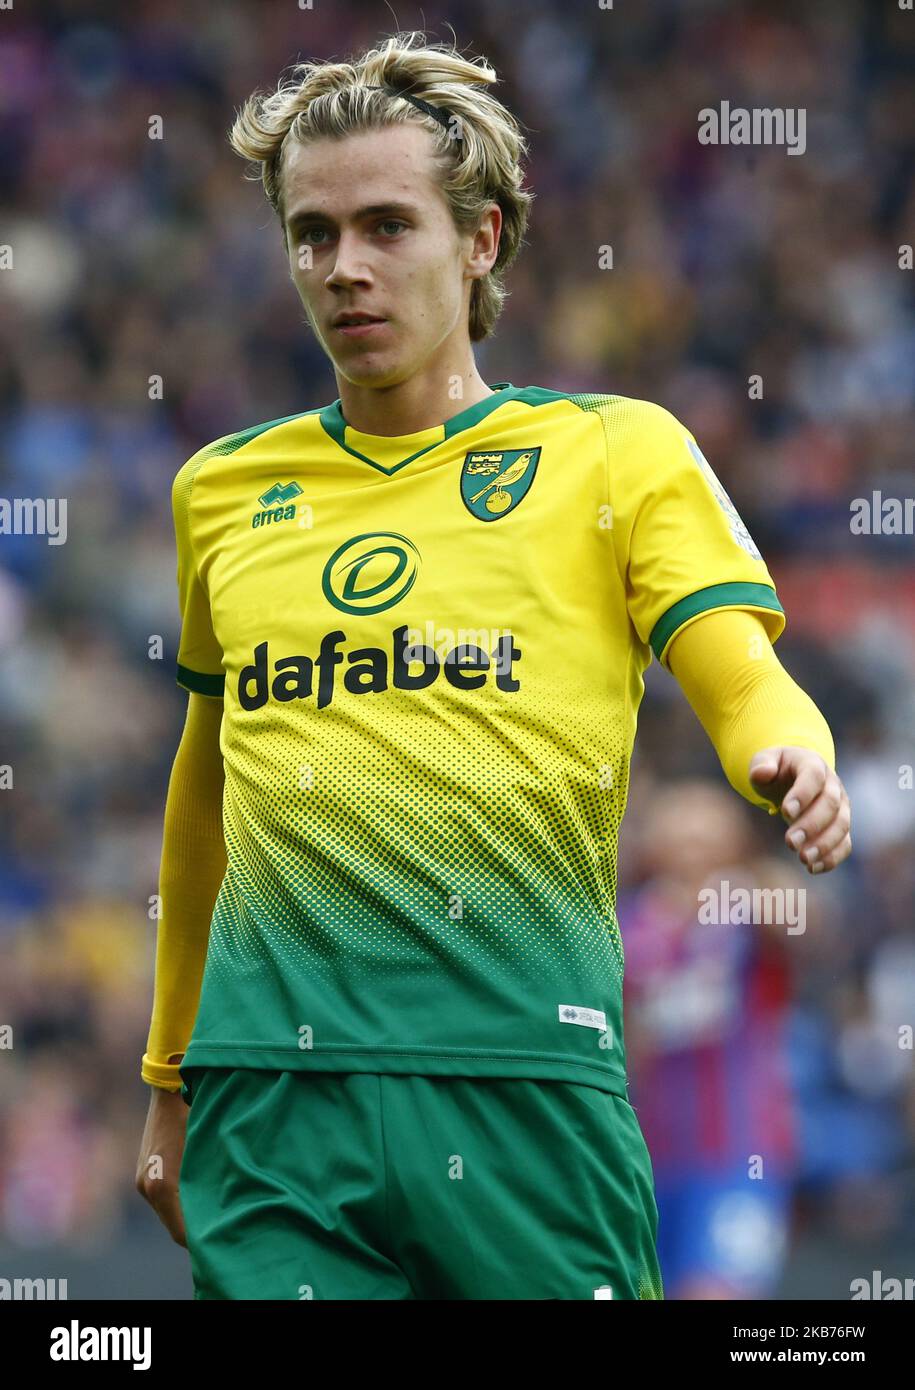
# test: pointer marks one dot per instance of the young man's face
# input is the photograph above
(382, 242)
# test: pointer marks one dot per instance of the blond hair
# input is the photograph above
(478, 158)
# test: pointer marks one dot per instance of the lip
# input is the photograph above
(359, 330)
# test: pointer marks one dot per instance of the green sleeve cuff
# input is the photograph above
(739, 594)
(199, 682)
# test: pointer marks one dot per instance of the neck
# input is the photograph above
(427, 399)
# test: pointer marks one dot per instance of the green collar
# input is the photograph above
(334, 424)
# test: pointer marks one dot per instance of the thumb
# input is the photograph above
(764, 765)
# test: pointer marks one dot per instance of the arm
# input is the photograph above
(773, 742)
(192, 869)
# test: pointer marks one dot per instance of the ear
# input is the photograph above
(486, 240)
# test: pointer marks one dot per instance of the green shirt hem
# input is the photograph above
(404, 1062)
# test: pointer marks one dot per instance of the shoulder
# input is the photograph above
(209, 456)
(231, 444)
(628, 419)
(625, 420)
(645, 443)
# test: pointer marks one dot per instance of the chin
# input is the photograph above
(372, 373)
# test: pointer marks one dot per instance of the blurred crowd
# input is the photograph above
(136, 258)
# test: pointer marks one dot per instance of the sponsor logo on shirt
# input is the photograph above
(371, 572)
(371, 670)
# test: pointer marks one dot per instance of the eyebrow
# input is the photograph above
(371, 210)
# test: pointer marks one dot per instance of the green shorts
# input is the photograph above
(299, 1185)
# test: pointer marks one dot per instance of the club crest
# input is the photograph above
(494, 481)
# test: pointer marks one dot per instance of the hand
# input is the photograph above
(811, 799)
(159, 1162)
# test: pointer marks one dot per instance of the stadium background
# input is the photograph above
(135, 257)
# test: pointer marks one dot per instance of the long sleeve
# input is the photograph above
(743, 696)
(192, 868)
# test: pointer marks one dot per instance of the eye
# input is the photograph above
(306, 233)
(392, 222)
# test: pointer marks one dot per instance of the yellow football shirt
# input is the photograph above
(431, 649)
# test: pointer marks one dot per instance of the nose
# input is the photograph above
(350, 266)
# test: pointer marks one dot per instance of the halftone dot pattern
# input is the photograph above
(408, 807)
(613, 410)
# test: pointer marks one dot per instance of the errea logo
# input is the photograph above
(585, 1018)
(277, 504)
